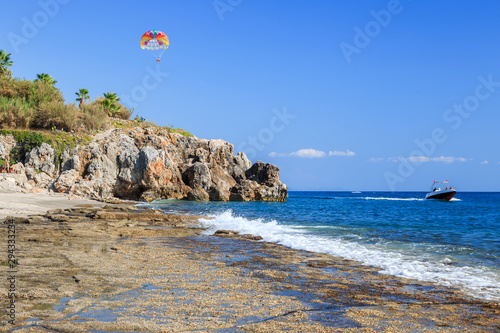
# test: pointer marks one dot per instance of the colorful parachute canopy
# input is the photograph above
(154, 40)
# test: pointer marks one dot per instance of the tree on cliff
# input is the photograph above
(83, 95)
(5, 62)
(46, 78)
(109, 103)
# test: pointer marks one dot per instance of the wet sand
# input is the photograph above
(114, 269)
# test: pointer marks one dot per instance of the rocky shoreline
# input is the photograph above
(141, 164)
(118, 268)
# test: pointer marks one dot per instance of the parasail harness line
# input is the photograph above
(158, 58)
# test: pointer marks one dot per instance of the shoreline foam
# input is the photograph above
(159, 273)
(477, 282)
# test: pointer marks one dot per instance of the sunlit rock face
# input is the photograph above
(151, 163)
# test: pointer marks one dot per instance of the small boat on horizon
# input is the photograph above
(437, 193)
(356, 192)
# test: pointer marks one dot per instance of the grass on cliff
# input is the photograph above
(35, 112)
(38, 105)
(28, 104)
(28, 139)
(143, 123)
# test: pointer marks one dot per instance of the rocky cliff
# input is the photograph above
(149, 164)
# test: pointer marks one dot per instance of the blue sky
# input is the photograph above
(340, 95)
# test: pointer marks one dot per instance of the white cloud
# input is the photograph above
(341, 153)
(446, 159)
(420, 159)
(484, 162)
(274, 154)
(308, 153)
(312, 153)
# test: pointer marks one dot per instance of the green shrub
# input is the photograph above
(57, 115)
(93, 117)
(15, 113)
(26, 140)
(7, 88)
(114, 108)
(40, 92)
(36, 104)
(123, 112)
(33, 93)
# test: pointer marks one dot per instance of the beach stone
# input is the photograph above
(16, 220)
(60, 217)
(317, 264)
(124, 208)
(55, 211)
(225, 233)
(251, 237)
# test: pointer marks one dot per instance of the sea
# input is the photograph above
(451, 243)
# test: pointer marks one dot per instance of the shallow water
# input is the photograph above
(453, 243)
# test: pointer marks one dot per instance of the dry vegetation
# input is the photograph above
(38, 105)
(28, 104)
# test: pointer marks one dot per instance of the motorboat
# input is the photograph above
(441, 194)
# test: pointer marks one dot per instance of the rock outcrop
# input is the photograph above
(149, 164)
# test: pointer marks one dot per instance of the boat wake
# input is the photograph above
(392, 199)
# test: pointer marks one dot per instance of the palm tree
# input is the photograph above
(83, 95)
(4, 63)
(109, 103)
(111, 96)
(46, 78)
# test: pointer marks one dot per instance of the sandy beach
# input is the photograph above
(88, 265)
(25, 204)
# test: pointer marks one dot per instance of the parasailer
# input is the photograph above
(155, 40)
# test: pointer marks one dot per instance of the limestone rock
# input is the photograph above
(41, 159)
(262, 183)
(152, 163)
(66, 180)
(7, 142)
(198, 194)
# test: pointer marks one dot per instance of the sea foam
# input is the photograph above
(478, 282)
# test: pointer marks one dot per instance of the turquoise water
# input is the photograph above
(454, 243)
